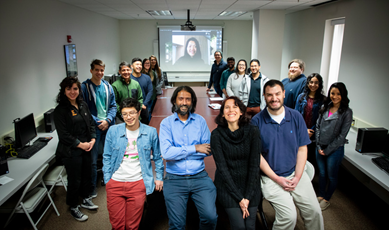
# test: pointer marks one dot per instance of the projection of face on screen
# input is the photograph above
(189, 51)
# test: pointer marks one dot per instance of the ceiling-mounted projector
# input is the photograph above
(188, 25)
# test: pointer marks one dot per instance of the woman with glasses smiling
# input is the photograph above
(308, 104)
(235, 79)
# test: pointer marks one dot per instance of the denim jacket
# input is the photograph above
(300, 106)
(115, 146)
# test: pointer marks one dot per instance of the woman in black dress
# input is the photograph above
(76, 133)
(236, 149)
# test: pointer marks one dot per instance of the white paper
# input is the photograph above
(214, 106)
(216, 98)
(4, 180)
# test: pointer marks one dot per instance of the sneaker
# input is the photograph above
(93, 194)
(319, 199)
(88, 204)
(77, 214)
(324, 204)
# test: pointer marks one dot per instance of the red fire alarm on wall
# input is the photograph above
(69, 38)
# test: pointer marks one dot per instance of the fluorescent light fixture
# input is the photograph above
(231, 13)
(159, 12)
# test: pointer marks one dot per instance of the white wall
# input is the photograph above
(137, 36)
(32, 58)
(364, 54)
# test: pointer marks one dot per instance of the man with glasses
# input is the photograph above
(127, 166)
(295, 82)
(250, 89)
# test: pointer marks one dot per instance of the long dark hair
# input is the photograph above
(188, 89)
(344, 103)
(243, 119)
(156, 67)
(198, 51)
(66, 83)
(319, 94)
(236, 68)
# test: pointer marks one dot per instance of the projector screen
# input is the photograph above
(188, 51)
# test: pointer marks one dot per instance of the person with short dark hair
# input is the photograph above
(185, 138)
(217, 69)
(127, 169)
(226, 73)
(124, 88)
(295, 82)
(146, 86)
(250, 91)
(333, 124)
(236, 147)
(284, 181)
(77, 136)
(100, 97)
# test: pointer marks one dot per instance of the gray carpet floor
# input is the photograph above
(353, 207)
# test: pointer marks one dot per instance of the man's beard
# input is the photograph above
(179, 111)
(293, 75)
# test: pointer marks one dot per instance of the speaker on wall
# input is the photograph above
(49, 121)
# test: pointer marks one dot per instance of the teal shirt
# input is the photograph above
(224, 78)
(101, 100)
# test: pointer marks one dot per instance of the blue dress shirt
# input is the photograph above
(178, 140)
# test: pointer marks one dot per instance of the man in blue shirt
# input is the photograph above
(100, 97)
(226, 73)
(284, 154)
(295, 82)
(217, 69)
(146, 86)
(185, 138)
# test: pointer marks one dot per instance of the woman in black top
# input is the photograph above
(76, 133)
(236, 148)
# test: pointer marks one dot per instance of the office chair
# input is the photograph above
(309, 169)
(30, 199)
(56, 177)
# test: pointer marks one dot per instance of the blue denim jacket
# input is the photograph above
(115, 146)
(300, 106)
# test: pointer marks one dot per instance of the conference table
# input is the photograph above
(22, 170)
(163, 109)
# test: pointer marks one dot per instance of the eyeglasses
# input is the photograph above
(243, 65)
(132, 113)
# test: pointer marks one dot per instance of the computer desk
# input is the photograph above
(362, 167)
(22, 170)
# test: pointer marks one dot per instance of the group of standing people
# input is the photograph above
(259, 146)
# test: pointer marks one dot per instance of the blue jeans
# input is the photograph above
(329, 168)
(200, 188)
(98, 147)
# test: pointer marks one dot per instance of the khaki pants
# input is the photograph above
(284, 202)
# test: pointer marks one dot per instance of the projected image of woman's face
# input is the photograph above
(191, 49)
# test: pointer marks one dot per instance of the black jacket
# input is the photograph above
(63, 120)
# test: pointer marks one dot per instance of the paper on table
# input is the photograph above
(212, 92)
(214, 106)
(216, 98)
(4, 180)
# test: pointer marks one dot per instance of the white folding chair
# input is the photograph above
(310, 170)
(56, 177)
(30, 199)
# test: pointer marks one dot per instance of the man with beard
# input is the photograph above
(184, 141)
(226, 73)
(295, 82)
(284, 154)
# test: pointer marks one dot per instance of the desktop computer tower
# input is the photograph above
(371, 140)
(49, 121)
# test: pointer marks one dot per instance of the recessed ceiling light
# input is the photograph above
(231, 13)
(159, 12)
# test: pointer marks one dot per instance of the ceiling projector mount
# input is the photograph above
(188, 25)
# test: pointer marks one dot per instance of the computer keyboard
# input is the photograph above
(29, 151)
(382, 163)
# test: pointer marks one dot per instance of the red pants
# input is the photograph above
(251, 111)
(125, 203)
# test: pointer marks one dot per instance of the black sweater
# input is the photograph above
(237, 156)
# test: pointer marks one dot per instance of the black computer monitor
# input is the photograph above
(25, 130)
